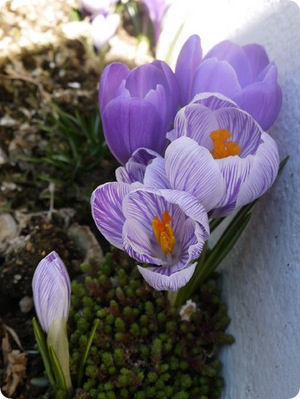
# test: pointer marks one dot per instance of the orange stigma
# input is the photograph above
(164, 233)
(222, 149)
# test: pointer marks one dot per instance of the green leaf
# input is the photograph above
(39, 336)
(216, 255)
(86, 352)
(59, 376)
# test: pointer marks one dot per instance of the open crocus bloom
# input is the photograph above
(214, 127)
(145, 101)
(242, 73)
(51, 291)
(166, 228)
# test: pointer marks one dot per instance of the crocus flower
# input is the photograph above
(156, 11)
(213, 127)
(51, 295)
(137, 107)
(104, 26)
(165, 228)
(242, 73)
(95, 7)
(51, 290)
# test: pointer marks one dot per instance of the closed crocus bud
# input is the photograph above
(156, 11)
(51, 291)
(137, 107)
(103, 28)
(242, 73)
(51, 295)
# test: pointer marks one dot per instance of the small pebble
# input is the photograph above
(26, 304)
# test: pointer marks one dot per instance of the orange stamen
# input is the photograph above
(222, 149)
(164, 233)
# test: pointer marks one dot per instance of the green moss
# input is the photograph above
(142, 348)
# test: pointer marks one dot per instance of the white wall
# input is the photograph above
(261, 276)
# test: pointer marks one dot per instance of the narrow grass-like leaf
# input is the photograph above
(39, 336)
(86, 352)
(204, 268)
(59, 376)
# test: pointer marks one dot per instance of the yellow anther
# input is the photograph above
(222, 149)
(164, 233)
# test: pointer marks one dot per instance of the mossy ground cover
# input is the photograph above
(142, 347)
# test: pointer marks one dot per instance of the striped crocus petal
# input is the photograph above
(247, 178)
(51, 291)
(263, 172)
(160, 279)
(190, 167)
(235, 171)
(106, 204)
(134, 169)
(155, 175)
(213, 100)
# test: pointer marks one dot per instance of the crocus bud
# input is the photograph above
(137, 107)
(51, 291)
(104, 26)
(51, 295)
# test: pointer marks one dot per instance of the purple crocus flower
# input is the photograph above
(165, 228)
(51, 291)
(242, 73)
(212, 126)
(156, 11)
(137, 107)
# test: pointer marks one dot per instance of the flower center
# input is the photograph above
(222, 149)
(164, 233)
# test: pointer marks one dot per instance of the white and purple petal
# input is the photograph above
(190, 167)
(51, 290)
(162, 278)
(213, 101)
(134, 169)
(155, 175)
(197, 122)
(244, 129)
(106, 204)
(263, 172)
(235, 172)
(191, 207)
